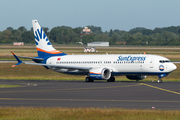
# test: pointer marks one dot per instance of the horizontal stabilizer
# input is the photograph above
(19, 61)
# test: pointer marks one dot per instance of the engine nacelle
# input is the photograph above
(136, 77)
(100, 74)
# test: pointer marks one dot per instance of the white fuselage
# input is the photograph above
(119, 64)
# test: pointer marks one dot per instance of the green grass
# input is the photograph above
(9, 86)
(41, 113)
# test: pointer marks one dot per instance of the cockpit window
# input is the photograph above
(164, 61)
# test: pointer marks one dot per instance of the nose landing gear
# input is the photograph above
(161, 76)
(159, 80)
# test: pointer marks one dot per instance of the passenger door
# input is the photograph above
(151, 64)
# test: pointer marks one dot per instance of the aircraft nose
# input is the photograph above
(174, 67)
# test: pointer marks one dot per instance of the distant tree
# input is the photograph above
(78, 30)
(7, 34)
(168, 37)
(22, 28)
(116, 31)
(114, 38)
(147, 32)
(125, 37)
(110, 33)
(16, 35)
(102, 37)
(137, 29)
(88, 38)
(31, 29)
(67, 35)
(94, 29)
(1, 36)
(9, 28)
(28, 37)
(172, 29)
(63, 35)
(158, 30)
(138, 36)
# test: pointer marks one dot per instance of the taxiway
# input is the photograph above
(131, 95)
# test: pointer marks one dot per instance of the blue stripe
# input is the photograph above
(98, 76)
(36, 36)
(43, 54)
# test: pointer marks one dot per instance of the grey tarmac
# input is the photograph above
(130, 95)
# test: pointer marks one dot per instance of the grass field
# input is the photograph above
(173, 53)
(8, 86)
(31, 113)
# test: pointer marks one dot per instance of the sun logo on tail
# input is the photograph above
(40, 36)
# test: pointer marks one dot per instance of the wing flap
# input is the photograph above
(60, 66)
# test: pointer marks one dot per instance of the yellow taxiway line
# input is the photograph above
(160, 88)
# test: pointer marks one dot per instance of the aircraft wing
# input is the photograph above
(60, 66)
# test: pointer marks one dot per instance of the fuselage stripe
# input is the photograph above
(50, 52)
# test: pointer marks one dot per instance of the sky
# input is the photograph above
(107, 14)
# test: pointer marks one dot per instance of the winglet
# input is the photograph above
(19, 61)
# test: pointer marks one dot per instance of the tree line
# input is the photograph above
(68, 35)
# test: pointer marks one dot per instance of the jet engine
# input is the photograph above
(136, 77)
(100, 74)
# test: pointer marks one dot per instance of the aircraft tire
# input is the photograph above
(111, 79)
(88, 79)
(159, 81)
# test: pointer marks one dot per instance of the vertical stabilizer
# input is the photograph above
(43, 45)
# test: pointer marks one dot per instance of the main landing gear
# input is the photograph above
(88, 79)
(111, 79)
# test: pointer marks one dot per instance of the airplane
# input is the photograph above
(97, 67)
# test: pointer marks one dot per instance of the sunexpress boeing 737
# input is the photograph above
(97, 67)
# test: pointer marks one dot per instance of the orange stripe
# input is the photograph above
(95, 73)
(13, 65)
(12, 53)
(51, 52)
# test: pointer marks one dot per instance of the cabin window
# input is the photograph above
(164, 61)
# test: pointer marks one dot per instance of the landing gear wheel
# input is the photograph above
(159, 81)
(88, 79)
(111, 79)
(91, 80)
